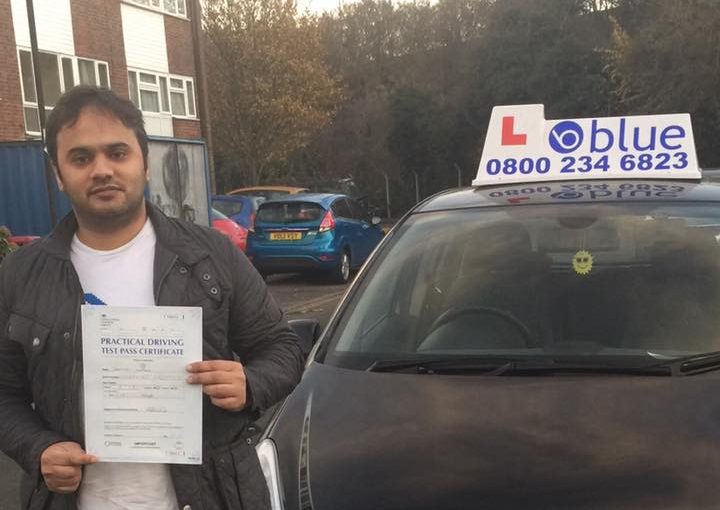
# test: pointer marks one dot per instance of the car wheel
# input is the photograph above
(341, 273)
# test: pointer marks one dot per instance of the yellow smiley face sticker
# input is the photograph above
(582, 262)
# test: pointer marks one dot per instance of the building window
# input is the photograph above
(191, 97)
(28, 77)
(164, 94)
(58, 74)
(177, 97)
(176, 7)
(50, 72)
(149, 93)
(68, 74)
(159, 93)
(133, 84)
(103, 75)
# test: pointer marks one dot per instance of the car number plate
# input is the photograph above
(285, 236)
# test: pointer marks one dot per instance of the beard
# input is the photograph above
(101, 219)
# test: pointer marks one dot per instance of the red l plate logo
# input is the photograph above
(509, 137)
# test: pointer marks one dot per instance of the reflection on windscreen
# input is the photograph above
(289, 212)
(610, 279)
(228, 208)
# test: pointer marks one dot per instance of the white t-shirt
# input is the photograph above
(122, 277)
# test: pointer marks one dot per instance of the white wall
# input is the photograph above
(144, 35)
(158, 125)
(53, 23)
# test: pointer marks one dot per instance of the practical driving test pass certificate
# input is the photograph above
(138, 405)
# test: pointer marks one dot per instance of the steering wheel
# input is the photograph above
(453, 314)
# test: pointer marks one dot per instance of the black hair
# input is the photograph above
(68, 108)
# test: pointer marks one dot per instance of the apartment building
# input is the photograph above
(141, 49)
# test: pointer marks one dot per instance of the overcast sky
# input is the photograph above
(318, 6)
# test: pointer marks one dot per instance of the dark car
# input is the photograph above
(520, 357)
(549, 345)
(326, 233)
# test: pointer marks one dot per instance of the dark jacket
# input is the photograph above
(41, 357)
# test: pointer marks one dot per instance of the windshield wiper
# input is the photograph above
(443, 364)
(503, 365)
(693, 365)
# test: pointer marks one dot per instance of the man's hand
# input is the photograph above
(61, 466)
(222, 380)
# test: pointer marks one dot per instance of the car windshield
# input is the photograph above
(289, 212)
(217, 215)
(586, 280)
(228, 207)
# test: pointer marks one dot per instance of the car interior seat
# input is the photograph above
(594, 308)
(677, 308)
(499, 270)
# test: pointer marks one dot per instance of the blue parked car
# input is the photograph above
(323, 232)
(239, 208)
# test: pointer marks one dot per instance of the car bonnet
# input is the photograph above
(374, 440)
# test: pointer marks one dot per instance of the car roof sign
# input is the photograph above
(521, 146)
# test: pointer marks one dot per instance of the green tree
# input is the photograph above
(665, 58)
(269, 86)
(382, 50)
(5, 245)
(418, 138)
(421, 79)
(545, 51)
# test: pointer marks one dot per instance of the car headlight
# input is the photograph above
(267, 454)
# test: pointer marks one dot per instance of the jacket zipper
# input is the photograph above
(74, 382)
(164, 277)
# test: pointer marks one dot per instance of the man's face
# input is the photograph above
(100, 167)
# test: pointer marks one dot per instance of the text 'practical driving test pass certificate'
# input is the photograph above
(138, 405)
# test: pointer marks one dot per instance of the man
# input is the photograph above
(116, 249)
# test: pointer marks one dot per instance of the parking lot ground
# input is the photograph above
(305, 297)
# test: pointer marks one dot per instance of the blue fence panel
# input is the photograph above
(23, 189)
(61, 201)
(24, 205)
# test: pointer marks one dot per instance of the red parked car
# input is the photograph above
(237, 233)
(22, 240)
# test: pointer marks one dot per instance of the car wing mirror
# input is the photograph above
(308, 332)
(375, 221)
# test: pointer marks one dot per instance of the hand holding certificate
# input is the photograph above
(61, 466)
(138, 404)
(223, 381)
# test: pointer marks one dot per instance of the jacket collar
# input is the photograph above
(172, 239)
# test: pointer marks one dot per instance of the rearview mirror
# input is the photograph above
(308, 331)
